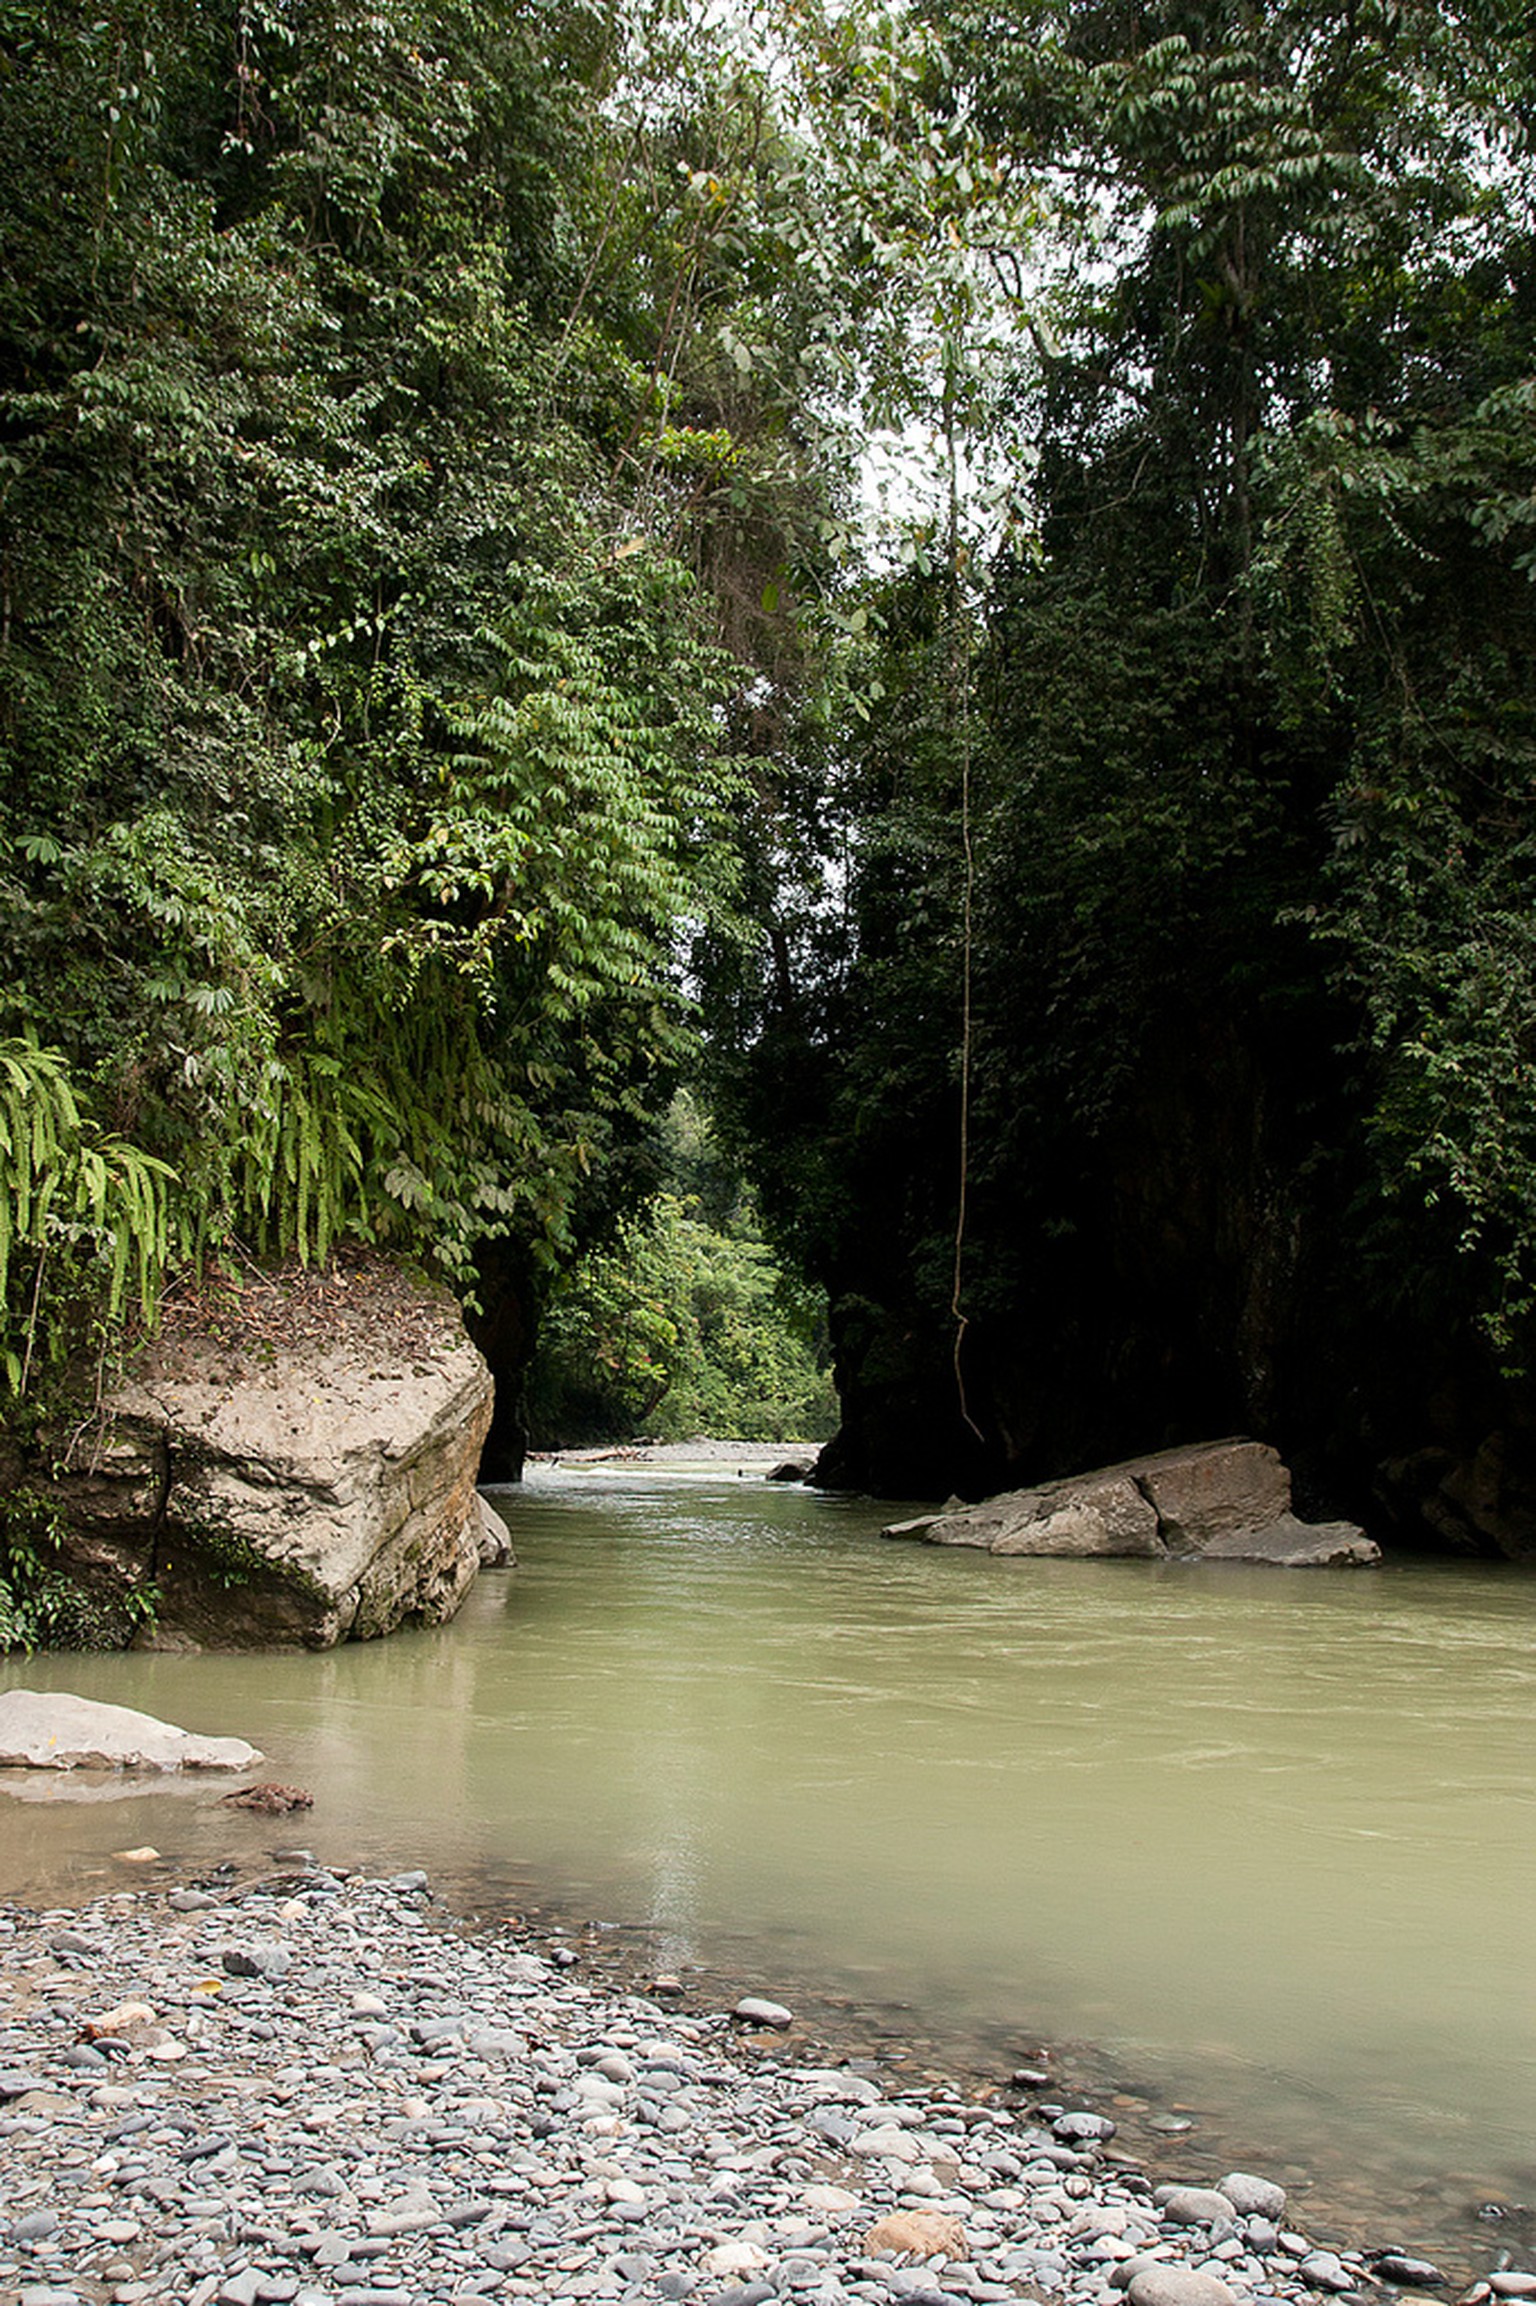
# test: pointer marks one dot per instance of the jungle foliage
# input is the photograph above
(686, 1324)
(396, 453)
(1238, 680)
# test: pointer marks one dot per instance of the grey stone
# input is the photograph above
(1179, 2286)
(1401, 2266)
(1287, 1543)
(507, 2255)
(35, 2226)
(1194, 2206)
(1096, 1514)
(1221, 1500)
(266, 1959)
(1212, 1489)
(1323, 2270)
(493, 1536)
(754, 2011)
(1253, 2197)
(53, 1730)
(1083, 2129)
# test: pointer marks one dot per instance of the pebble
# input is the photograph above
(754, 2011)
(1400, 2266)
(1325, 2270)
(1179, 2286)
(1082, 2129)
(325, 2093)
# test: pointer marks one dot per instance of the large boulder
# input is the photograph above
(54, 1730)
(1217, 1500)
(294, 1466)
(1100, 1514)
(1215, 1490)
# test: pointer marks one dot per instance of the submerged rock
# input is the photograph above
(271, 1801)
(52, 1730)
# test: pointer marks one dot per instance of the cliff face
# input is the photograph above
(1197, 1271)
(290, 1463)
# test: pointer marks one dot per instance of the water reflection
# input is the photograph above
(1265, 1837)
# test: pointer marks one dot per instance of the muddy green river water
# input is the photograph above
(1255, 1850)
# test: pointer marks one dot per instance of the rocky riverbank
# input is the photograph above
(317, 2089)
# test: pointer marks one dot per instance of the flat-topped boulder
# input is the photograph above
(293, 1463)
(1217, 1500)
(55, 1730)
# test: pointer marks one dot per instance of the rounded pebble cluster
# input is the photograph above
(316, 2092)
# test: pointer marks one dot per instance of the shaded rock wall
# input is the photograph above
(1200, 1266)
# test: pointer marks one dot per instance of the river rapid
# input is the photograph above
(1240, 1849)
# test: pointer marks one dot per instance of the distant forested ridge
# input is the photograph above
(449, 691)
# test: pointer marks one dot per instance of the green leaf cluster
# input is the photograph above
(687, 1326)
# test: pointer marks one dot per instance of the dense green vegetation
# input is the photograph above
(685, 1323)
(433, 649)
(1242, 693)
(384, 467)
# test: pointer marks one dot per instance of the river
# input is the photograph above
(1242, 1848)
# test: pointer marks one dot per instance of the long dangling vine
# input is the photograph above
(960, 705)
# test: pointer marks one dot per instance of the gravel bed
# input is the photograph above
(317, 2091)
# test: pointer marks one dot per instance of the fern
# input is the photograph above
(76, 1199)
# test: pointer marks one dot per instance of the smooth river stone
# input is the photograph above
(1253, 2197)
(1415, 2273)
(754, 2011)
(888, 2142)
(1083, 2129)
(1194, 2206)
(1178, 2286)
